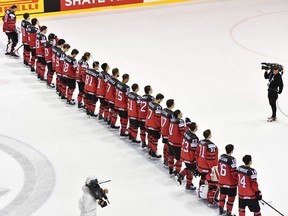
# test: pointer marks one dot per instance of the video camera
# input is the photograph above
(98, 192)
(271, 66)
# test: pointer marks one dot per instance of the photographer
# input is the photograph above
(93, 195)
(275, 87)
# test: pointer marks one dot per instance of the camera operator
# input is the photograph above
(93, 195)
(275, 87)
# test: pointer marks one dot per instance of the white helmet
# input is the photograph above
(90, 178)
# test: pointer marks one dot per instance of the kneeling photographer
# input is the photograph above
(273, 72)
(93, 195)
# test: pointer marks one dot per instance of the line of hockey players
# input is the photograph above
(181, 144)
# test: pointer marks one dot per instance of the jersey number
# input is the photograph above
(143, 106)
(66, 66)
(149, 113)
(242, 181)
(88, 80)
(202, 151)
(223, 170)
(120, 97)
(163, 122)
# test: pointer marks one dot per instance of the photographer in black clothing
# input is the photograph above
(275, 87)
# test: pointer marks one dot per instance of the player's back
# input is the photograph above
(207, 155)
(110, 89)
(133, 104)
(247, 182)
(176, 132)
(121, 96)
(153, 119)
(145, 99)
(102, 84)
(24, 25)
(166, 117)
(32, 31)
(69, 67)
(227, 170)
(90, 84)
(189, 146)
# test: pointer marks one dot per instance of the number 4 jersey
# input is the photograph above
(227, 170)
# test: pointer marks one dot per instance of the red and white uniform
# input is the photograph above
(82, 66)
(189, 146)
(206, 156)
(133, 105)
(55, 49)
(90, 85)
(121, 96)
(60, 56)
(102, 84)
(247, 182)
(41, 40)
(111, 90)
(69, 67)
(32, 31)
(48, 51)
(145, 99)
(24, 25)
(165, 122)
(153, 119)
(227, 170)
(176, 132)
(9, 20)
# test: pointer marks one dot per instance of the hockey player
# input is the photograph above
(121, 103)
(207, 159)
(101, 92)
(90, 87)
(133, 110)
(69, 74)
(9, 27)
(228, 180)
(110, 97)
(60, 56)
(248, 190)
(55, 50)
(32, 30)
(166, 116)
(26, 50)
(153, 125)
(145, 99)
(40, 52)
(188, 150)
(52, 39)
(80, 78)
(175, 138)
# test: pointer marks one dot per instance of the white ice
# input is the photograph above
(204, 54)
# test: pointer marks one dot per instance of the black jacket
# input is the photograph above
(275, 82)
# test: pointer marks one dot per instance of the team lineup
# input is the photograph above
(220, 179)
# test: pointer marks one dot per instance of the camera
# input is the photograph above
(98, 193)
(271, 66)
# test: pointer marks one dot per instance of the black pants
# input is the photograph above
(273, 96)
(13, 36)
(81, 86)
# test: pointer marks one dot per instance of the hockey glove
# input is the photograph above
(102, 203)
(258, 195)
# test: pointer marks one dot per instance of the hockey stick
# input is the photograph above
(264, 202)
(281, 110)
(102, 182)
(16, 50)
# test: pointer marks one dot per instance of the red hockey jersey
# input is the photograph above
(206, 156)
(153, 119)
(166, 117)
(227, 170)
(32, 31)
(82, 66)
(60, 56)
(176, 132)
(55, 49)
(9, 20)
(189, 146)
(121, 96)
(69, 67)
(247, 182)
(102, 84)
(90, 84)
(40, 44)
(110, 89)
(145, 99)
(133, 105)
(24, 25)
(48, 51)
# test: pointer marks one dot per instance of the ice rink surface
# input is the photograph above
(204, 54)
